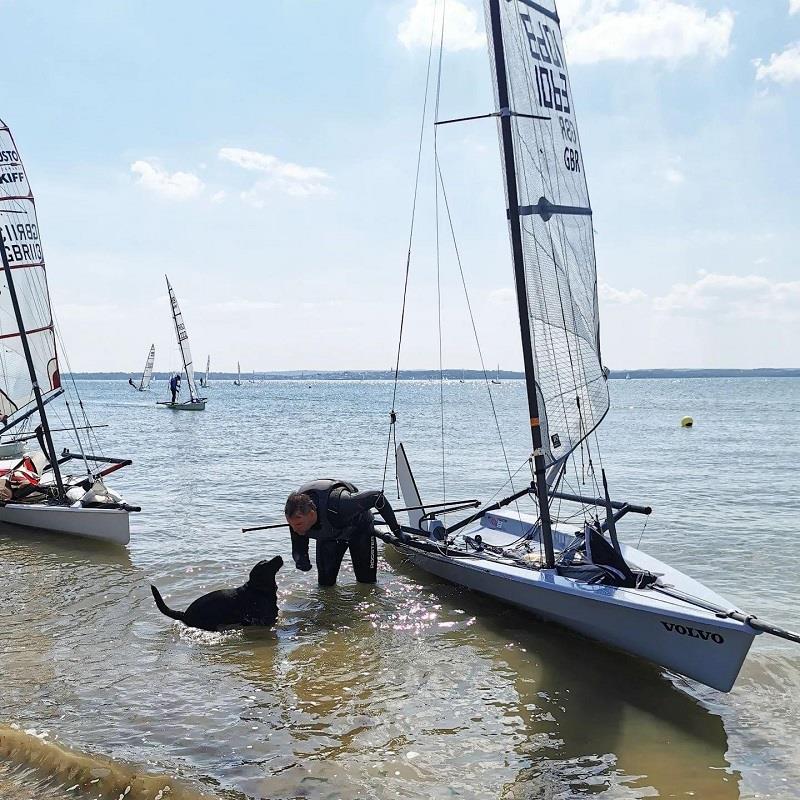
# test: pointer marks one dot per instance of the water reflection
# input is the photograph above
(584, 718)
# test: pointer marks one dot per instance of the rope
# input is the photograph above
(393, 415)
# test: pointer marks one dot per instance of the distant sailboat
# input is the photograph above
(253, 379)
(497, 379)
(204, 379)
(195, 402)
(238, 381)
(147, 374)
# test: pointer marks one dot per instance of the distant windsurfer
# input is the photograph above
(337, 516)
(130, 381)
(175, 386)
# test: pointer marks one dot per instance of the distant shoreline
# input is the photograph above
(453, 374)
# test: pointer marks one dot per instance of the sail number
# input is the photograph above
(551, 84)
(21, 241)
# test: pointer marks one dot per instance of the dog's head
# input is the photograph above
(262, 576)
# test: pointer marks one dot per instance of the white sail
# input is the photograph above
(556, 222)
(183, 343)
(19, 231)
(208, 370)
(147, 374)
(238, 381)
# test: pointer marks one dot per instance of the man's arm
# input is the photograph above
(353, 503)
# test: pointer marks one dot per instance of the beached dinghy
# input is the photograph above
(195, 402)
(36, 488)
(584, 579)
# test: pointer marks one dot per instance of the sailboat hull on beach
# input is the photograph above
(675, 635)
(105, 525)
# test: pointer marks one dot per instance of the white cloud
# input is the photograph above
(611, 295)
(794, 6)
(219, 196)
(291, 178)
(782, 67)
(461, 27)
(660, 30)
(502, 297)
(174, 185)
(737, 296)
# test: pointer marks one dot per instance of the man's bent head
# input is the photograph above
(300, 512)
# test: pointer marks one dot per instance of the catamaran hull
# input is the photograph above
(199, 405)
(696, 645)
(105, 525)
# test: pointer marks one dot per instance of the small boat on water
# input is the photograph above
(39, 488)
(195, 402)
(238, 381)
(204, 378)
(496, 379)
(563, 561)
(147, 373)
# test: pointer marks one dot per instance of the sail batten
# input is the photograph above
(552, 210)
(19, 235)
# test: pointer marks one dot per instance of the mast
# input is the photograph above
(519, 279)
(23, 335)
(178, 335)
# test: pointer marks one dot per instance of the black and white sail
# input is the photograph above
(555, 222)
(183, 343)
(19, 231)
(147, 374)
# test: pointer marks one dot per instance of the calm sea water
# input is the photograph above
(411, 688)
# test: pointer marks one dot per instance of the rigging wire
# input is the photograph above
(393, 413)
(438, 254)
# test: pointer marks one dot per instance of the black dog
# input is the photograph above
(254, 603)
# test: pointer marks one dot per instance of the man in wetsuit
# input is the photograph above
(175, 386)
(338, 517)
(130, 381)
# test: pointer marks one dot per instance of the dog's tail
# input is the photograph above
(164, 608)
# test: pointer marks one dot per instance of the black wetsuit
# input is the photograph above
(344, 522)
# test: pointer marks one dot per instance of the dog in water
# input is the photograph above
(253, 603)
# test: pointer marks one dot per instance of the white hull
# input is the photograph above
(106, 525)
(197, 405)
(672, 633)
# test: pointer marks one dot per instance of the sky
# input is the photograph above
(262, 154)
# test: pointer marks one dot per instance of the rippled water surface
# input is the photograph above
(411, 688)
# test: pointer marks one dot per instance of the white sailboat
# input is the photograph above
(37, 488)
(195, 402)
(147, 374)
(204, 379)
(586, 581)
(238, 381)
(497, 379)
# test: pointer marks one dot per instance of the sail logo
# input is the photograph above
(9, 156)
(12, 177)
(692, 633)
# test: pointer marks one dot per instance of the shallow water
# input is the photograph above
(412, 688)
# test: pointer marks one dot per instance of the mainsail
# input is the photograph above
(147, 375)
(556, 225)
(19, 232)
(208, 370)
(183, 342)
